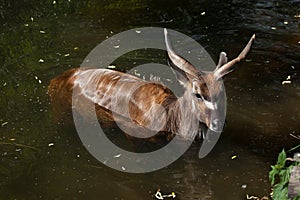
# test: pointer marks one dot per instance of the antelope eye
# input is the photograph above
(198, 96)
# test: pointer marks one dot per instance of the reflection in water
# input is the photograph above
(43, 39)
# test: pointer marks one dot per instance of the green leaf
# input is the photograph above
(281, 158)
(272, 175)
(284, 175)
(280, 192)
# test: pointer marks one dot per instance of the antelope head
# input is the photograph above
(203, 89)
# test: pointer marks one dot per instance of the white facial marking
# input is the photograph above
(193, 105)
(216, 105)
(209, 105)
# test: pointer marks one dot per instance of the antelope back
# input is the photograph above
(113, 93)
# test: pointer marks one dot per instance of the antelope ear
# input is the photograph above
(228, 67)
(222, 60)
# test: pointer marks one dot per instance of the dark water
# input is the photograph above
(39, 40)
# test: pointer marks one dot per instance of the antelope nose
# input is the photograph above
(215, 125)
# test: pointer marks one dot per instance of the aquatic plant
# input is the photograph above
(280, 175)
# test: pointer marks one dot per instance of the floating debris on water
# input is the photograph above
(37, 78)
(244, 186)
(67, 54)
(41, 60)
(256, 198)
(4, 123)
(203, 13)
(76, 48)
(297, 16)
(169, 80)
(273, 28)
(42, 32)
(111, 67)
(159, 195)
(233, 157)
(135, 72)
(287, 80)
(285, 22)
(117, 156)
(50, 144)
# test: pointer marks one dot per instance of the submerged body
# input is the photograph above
(142, 98)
